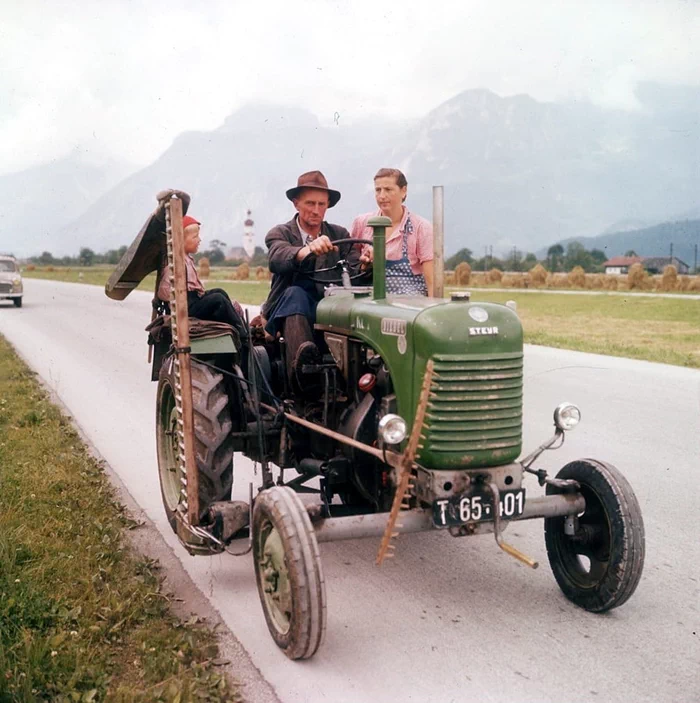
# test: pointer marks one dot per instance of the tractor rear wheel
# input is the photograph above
(600, 566)
(213, 440)
(288, 571)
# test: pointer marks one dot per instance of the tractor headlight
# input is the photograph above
(567, 416)
(392, 429)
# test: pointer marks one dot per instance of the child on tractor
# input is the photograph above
(213, 304)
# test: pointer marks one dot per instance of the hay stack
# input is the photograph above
(610, 282)
(538, 276)
(637, 278)
(243, 272)
(514, 280)
(494, 276)
(595, 281)
(669, 279)
(577, 277)
(463, 274)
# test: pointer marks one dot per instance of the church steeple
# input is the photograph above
(249, 235)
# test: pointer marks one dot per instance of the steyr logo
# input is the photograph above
(473, 331)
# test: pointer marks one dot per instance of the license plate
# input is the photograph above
(477, 506)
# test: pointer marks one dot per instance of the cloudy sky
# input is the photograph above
(124, 77)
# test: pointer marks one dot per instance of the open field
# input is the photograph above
(82, 616)
(665, 330)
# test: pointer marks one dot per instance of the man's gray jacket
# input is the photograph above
(283, 243)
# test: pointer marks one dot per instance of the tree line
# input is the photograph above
(85, 257)
(88, 257)
(558, 259)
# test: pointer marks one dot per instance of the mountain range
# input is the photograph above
(683, 236)
(37, 203)
(516, 172)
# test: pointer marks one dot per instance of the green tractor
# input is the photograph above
(417, 426)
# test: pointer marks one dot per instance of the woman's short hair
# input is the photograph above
(392, 173)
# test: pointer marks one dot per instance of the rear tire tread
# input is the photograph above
(212, 433)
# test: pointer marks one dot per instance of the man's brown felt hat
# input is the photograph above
(314, 179)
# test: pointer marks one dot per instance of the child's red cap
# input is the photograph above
(187, 221)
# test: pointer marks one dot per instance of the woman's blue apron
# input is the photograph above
(400, 279)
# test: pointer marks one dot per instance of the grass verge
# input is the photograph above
(82, 616)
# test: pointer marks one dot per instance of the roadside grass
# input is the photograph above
(95, 275)
(647, 327)
(82, 616)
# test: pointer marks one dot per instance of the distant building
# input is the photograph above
(621, 264)
(237, 254)
(657, 264)
(651, 264)
(245, 252)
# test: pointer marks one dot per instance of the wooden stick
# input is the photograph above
(182, 344)
(438, 242)
(407, 461)
(391, 457)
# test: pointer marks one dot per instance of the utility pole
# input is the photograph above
(695, 265)
(438, 242)
(671, 261)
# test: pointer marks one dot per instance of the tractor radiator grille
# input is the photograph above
(476, 403)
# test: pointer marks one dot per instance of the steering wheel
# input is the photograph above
(342, 263)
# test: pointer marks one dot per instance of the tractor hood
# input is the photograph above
(477, 349)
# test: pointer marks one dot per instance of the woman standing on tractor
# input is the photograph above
(409, 240)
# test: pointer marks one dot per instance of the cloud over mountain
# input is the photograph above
(516, 171)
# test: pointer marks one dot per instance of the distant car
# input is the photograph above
(10, 280)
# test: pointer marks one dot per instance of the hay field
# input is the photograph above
(625, 324)
(665, 330)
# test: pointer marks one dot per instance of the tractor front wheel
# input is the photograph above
(599, 566)
(288, 571)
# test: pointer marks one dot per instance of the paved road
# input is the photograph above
(448, 619)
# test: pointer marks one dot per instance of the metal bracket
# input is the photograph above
(507, 548)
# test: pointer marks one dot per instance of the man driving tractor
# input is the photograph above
(296, 250)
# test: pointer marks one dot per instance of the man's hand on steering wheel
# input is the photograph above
(355, 270)
(319, 246)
